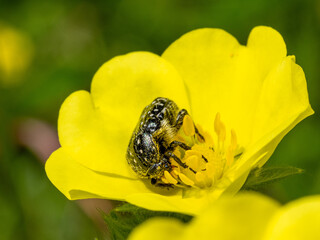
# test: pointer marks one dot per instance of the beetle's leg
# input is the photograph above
(178, 160)
(198, 133)
(175, 144)
(179, 122)
(151, 171)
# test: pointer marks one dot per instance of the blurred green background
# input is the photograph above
(70, 40)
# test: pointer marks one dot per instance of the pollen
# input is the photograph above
(210, 156)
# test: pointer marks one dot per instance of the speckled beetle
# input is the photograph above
(152, 142)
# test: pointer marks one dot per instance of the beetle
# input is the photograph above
(152, 143)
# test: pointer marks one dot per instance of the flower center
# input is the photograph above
(209, 157)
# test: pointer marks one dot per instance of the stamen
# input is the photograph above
(233, 140)
(176, 171)
(193, 162)
(222, 135)
(220, 128)
(229, 156)
(164, 180)
(206, 162)
(210, 169)
(185, 179)
(169, 178)
(192, 152)
(188, 126)
(217, 124)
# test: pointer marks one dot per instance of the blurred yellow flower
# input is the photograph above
(250, 96)
(246, 216)
(16, 52)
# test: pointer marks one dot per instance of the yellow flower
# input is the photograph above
(246, 216)
(249, 96)
(16, 53)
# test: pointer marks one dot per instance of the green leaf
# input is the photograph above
(123, 219)
(265, 175)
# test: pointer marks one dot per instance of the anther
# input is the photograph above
(188, 126)
(170, 178)
(206, 161)
(186, 180)
(193, 161)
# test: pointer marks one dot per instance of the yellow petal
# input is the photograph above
(95, 128)
(250, 86)
(76, 181)
(126, 84)
(242, 217)
(158, 229)
(204, 58)
(299, 219)
(268, 47)
(170, 202)
(233, 75)
(284, 95)
(259, 92)
(276, 116)
(246, 216)
(89, 141)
